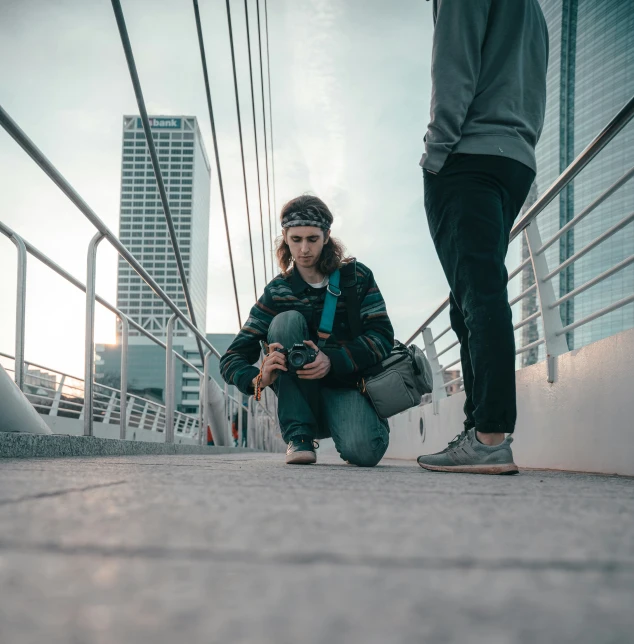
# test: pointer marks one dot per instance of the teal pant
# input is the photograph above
(309, 408)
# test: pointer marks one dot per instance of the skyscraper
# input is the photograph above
(590, 77)
(143, 230)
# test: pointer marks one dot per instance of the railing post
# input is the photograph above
(89, 364)
(227, 423)
(555, 344)
(109, 408)
(144, 415)
(250, 423)
(439, 390)
(125, 332)
(129, 410)
(169, 382)
(240, 422)
(20, 311)
(58, 397)
(204, 400)
(157, 417)
(201, 401)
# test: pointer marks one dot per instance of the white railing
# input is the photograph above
(96, 401)
(56, 394)
(554, 333)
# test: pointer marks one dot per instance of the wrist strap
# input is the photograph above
(258, 387)
(258, 382)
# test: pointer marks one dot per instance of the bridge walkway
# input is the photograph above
(241, 548)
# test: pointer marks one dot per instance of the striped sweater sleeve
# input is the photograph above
(377, 339)
(236, 366)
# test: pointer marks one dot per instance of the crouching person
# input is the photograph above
(313, 370)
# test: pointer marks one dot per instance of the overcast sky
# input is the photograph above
(350, 93)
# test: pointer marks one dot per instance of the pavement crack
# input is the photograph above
(159, 553)
(46, 495)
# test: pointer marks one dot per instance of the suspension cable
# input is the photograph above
(244, 171)
(203, 59)
(127, 48)
(255, 131)
(266, 150)
(268, 68)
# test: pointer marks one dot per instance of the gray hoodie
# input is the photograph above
(489, 62)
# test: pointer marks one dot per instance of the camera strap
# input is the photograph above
(333, 293)
(349, 288)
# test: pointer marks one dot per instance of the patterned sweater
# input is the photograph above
(348, 355)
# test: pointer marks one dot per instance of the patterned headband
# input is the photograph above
(307, 217)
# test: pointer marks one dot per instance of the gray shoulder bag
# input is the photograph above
(398, 382)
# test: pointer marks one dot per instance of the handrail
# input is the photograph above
(592, 245)
(98, 384)
(88, 382)
(39, 366)
(586, 211)
(620, 120)
(158, 407)
(593, 282)
(49, 169)
(429, 320)
(8, 232)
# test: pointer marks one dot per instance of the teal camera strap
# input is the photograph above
(333, 293)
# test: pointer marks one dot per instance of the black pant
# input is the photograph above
(471, 205)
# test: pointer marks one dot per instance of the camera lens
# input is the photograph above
(297, 359)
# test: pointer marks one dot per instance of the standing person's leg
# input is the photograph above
(360, 436)
(470, 206)
(298, 405)
(460, 329)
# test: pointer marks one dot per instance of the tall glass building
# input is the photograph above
(590, 77)
(142, 228)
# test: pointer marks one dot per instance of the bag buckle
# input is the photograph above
(330, 288)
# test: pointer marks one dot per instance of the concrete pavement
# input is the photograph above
(241, 548)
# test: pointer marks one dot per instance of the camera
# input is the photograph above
(298, 357)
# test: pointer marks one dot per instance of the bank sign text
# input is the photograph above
(161, 123)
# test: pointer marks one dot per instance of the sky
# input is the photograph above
(350, 91)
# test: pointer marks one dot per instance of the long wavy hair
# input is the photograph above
(333, 254)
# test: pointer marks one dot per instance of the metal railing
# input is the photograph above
(25, 249)
(102, 404)
(104, 233)
(57, 394)
(554, 333)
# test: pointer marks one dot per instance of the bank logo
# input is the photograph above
(162, 123)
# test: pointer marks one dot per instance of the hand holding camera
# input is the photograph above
(274, 362)
(316, 366)
(305, 360)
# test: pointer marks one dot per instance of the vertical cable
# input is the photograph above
(203, 59)
(268, 67)
(266, 150)
(255, 131)
(136, 83)
(244, 171)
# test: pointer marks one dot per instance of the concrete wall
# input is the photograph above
(584, 421)
(75, 427)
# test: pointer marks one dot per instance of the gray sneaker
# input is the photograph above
(465, 453)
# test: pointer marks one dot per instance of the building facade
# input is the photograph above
(146, 370)
(590, 78)
(143, 230)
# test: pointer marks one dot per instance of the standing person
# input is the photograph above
(321, 399)
(489, 64)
